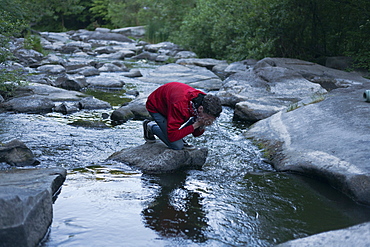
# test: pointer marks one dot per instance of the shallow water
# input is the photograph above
(236, 199)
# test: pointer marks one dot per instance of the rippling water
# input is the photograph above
(236, 199)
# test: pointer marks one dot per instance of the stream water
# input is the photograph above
(236, 199)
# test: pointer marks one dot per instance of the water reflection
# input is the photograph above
(175, 211)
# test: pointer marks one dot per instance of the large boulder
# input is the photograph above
(157, 158)
(16, 153)
(26, 201)
(329, 140)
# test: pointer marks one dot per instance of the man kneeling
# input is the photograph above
(179, 110)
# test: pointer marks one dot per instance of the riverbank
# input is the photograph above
(312, 120)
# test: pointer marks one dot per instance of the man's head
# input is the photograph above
(212, 105)
(210, 109)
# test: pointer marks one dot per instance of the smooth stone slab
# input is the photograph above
(26, 201)
(357, 235)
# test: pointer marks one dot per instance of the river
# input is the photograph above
(236, 199)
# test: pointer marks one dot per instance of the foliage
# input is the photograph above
(223, 29)
(33, 42)
(9, 81)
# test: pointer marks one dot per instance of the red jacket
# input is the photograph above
(173, 100)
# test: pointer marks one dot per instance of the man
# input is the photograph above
(179, 110)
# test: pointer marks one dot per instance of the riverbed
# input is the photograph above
(236, 199)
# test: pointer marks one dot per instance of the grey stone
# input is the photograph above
(195, 76)
(134, 110)
(109, 36)
(26, 198)
(52, 69)
(16, 153)
(101, 81)
(91, 103)
(329, 140)
(28, 104)
(357, 235)
(157, 158)
(208, 63)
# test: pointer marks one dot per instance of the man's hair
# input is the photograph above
(212, 105)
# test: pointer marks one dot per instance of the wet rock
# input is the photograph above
(264, 90)
(134, 110)
(104, 82)
(26, 199)
(16, 153)
(75, 46)
(133, 73)
(28, 104)
(328, 140)
(157, 158)
(28, 57)
(155, 48)
(73, 82)
(208, 63)
(195, 76)
(146, 55)
(109, 36)
(52, 69)
(66, 108)
(54, 93)
(357, 235)
(90, 103)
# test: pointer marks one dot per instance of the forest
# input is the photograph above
(232, 30)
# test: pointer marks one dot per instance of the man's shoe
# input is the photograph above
(148, 135)
(188, 146)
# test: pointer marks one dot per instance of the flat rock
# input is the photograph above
(357, 235)
(157, 158)
(195, 76)
(329, 140)
(26, 199)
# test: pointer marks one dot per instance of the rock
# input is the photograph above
(110, 67)
(73, 82)
(52, 69)
(66, 108)
(195, 76)
(16, 153)
(157, 158)
(75, 46)
(154, 48)
(272, 85)
(357, 235)
(133, 73)
(136, 32)
(185, 54)
(28, 57)
(104, 82)
(26, 199)
(134, 110)
(28, 104)
(146, 55)
(90, 103)
(328, 140)
(53, 93)
(109, 36)
(208, 63)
